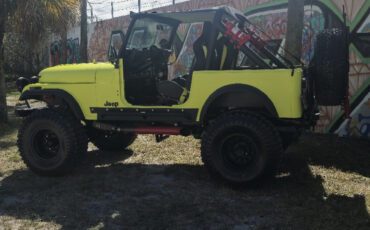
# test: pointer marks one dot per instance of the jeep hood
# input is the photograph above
(73, 73)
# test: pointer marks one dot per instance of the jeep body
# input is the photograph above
(98, 92)
(133, 93)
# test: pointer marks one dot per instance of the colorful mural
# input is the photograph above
(73, 51)
(185, 58)
(55, 53)
(274, 25)
(359, 124)
(318, 16)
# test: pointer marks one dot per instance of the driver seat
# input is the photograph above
(172, 92)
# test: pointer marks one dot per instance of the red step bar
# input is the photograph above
(158, 130)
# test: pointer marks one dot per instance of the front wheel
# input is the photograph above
(241, 148)
(50, 143)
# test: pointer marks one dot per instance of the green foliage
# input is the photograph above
(32, 20)
(21, 59)
(43, 16)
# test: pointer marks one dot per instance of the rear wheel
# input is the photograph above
(241, 148)
(111, 141)
(50, 143)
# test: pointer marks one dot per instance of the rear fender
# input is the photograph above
(238, 96)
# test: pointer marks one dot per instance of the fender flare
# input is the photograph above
(68, 98)
(230, 95)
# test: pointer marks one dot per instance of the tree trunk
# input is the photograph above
(83, 51)
(294, 30)
(63, 47)
(3, 107)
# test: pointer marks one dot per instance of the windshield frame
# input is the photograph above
(172, 22)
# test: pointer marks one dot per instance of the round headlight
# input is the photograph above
(21, 83)
(34, 79)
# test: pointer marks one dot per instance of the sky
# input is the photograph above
(102, 9)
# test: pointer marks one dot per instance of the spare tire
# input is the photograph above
(330, 66)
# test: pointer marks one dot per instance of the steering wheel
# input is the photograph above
(164, 43)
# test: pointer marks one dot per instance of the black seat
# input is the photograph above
(226, 54)
(171, 92)
(200, 47)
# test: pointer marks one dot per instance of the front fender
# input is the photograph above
(38, 94)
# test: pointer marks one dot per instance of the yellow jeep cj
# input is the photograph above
(245, 102)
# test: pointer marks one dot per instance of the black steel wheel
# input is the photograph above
(241, 148)
(238, 150)
(50, 143)
(46, 144)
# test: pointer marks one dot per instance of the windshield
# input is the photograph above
(147, 32)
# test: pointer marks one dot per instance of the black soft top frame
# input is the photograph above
(214, 15)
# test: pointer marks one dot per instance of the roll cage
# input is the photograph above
(231, 23)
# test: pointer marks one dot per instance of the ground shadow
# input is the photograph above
(109, 194)
(346, 154)
(6, 144)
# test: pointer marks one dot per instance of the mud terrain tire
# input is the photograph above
(51, 143)
(331, 66)
(241, 148)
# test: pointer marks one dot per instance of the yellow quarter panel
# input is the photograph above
(280, 87)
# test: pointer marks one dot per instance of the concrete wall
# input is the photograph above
(271, 15)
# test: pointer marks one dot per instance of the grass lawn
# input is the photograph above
(323, 183)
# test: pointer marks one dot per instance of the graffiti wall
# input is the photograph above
(359, 124)
(73, 51)
(318, 16)
(99, 40)
(271, 15)
(274, 24)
